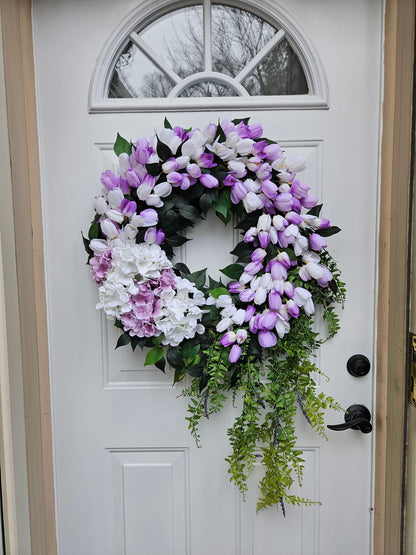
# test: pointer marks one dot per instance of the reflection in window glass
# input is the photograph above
(174, 44)
(207, 88)
(237, 36)
(178, 39)
(279, 73)
(135, 76)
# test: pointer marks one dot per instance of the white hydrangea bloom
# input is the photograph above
(180, 316)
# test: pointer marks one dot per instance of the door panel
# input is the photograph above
(128, 477)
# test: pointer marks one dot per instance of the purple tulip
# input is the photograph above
(228, 339)
(149, 216)
(325, 278)
(181, 133)
(299, 189)
(154, 235)
(128, 207)
(309, 201)
(250, 312)
(267, 320)
(206, 160)
(253, 268)
(235, 353)
(238, 192)
(294, 218)
(264, 239)
(255, 131)
(264, 171)
(267, 338)
(258, 148)
(250, 235)
(277, 270)
(235, 287)
(317, 242)
(284, 202)
(269, 188)
(275, 300)
(246, 296)
(321, 223)
(284, 259)
(258, 255)
(292, 308)
(109, 180)
(229, 180)
(171, 165)
(143, 151)
(297, 206)
(289, 289)
(273, 152)
(194, 170)
(208, 181)
(175, 178)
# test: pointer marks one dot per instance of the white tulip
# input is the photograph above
(115, 215)
(163, 189)
(109, 229)
(100, 205)
(98, 245)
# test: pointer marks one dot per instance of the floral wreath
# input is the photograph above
(251, 335)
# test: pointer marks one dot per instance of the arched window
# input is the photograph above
(207, 55)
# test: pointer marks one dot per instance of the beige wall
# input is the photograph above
(12, 441)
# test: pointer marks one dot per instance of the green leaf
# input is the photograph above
(225, 219)
(153, 169)
(316, 210)
(233, 271)
(153, 356)
(190, 349)
(198, 278)
(194, 371)
(328, 231)
(175, 358)
(161, 364)
(220, 133)
(138, 342)
(179, 375)
(122, 145)
(218, 291)
(158, 340)
(177, 240)
(213, 283)
(239, 120)
(223, 204)
(94, 231)
(182, 268)
(242, 251)
(167, 124)
(124, 339)
(205, 202)
(87, 245)
(189, 212)
(163, 151)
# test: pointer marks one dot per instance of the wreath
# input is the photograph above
(249, 335)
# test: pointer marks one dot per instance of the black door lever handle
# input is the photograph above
(357, 417)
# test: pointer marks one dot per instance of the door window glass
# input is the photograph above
(207, 51)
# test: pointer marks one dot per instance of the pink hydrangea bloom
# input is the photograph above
(100, 264)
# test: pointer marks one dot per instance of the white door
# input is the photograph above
(128, 476)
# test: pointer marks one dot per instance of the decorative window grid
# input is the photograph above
(201, 86)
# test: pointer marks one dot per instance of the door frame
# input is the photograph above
(393, 276)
